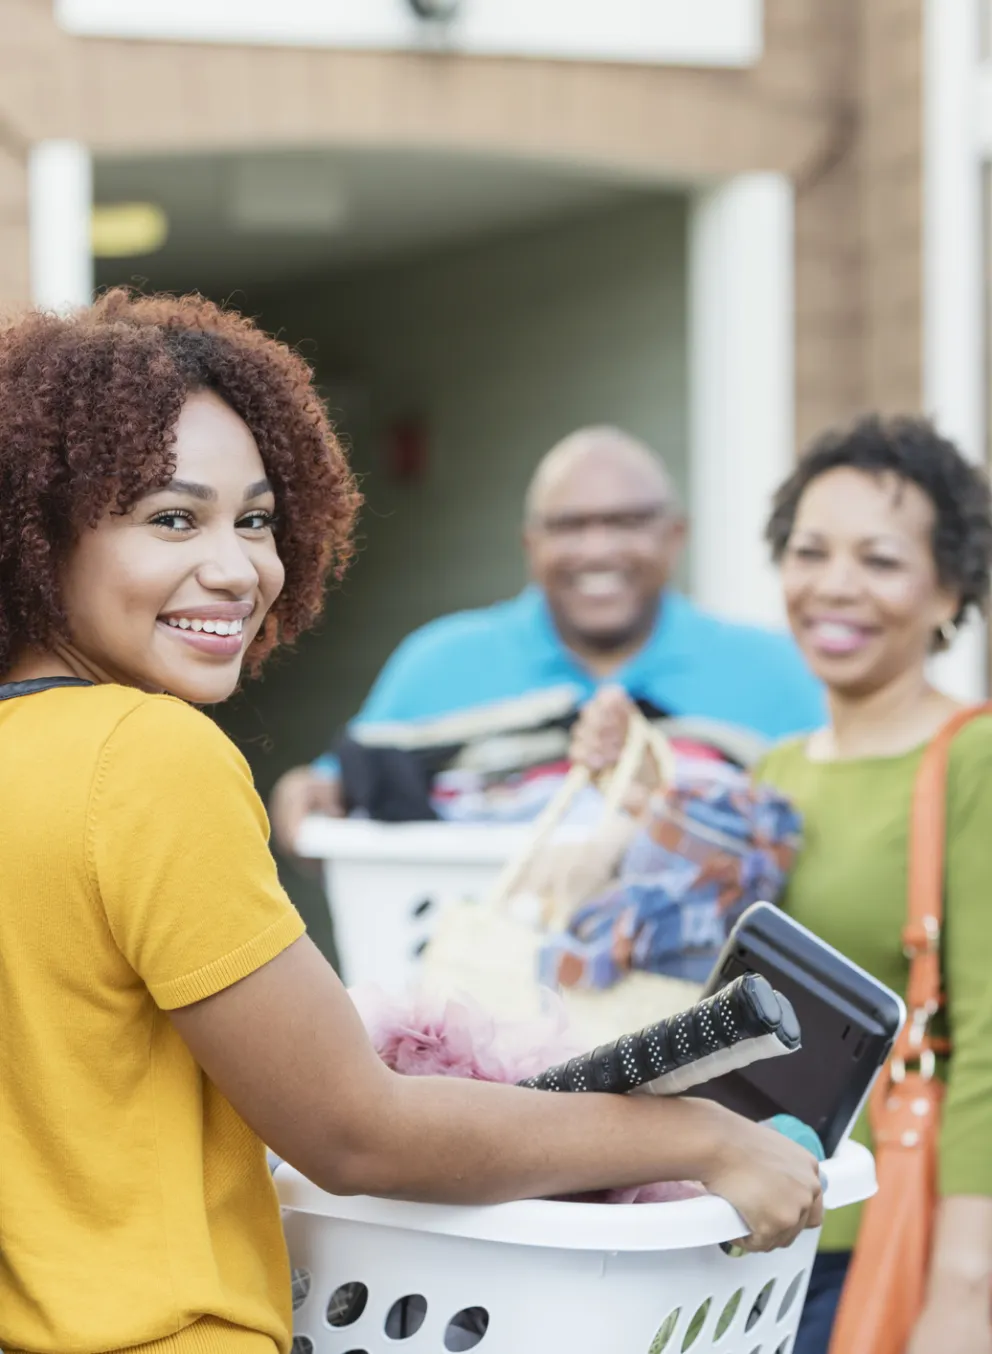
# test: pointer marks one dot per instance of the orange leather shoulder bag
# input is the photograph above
(886, 1283)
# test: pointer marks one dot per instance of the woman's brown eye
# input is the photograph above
(257, 521)
(174, 521)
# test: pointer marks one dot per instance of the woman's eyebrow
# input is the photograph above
(190, 488)
(206, 494)
(885, 538)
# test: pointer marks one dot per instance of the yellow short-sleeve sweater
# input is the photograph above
(136, 1206)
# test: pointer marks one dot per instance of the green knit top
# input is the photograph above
(849, 887)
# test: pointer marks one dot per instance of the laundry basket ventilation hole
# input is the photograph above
(665, 1332)
(783, 1348)
(406, 1316)
(790, 1296)
(301, 1287)
(760, 1304)
(466, 1329)
(695, 1327)
(346, 1304)
(726, 1319)
(302, 1345)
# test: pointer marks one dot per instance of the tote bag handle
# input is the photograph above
(641, 737)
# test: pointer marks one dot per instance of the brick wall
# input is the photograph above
(829, 255)
(891, 150)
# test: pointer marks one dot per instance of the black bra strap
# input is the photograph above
(8, 690)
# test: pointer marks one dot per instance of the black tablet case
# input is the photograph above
(849, 1023)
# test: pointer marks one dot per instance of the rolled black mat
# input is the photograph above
(741, 1024)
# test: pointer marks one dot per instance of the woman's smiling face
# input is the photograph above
(168, 596)
(860, 580)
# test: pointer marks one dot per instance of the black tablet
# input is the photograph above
(849, 1023)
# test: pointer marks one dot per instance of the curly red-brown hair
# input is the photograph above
(88, 408)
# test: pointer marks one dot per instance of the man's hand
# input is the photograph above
(295, 796)
(598, 740)
(601, 730)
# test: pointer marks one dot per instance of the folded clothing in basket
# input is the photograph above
(710, 844)
(499, 762)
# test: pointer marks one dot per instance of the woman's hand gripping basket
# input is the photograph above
(544, 1278)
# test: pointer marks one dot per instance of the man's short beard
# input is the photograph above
(604, 643)
(608, 641)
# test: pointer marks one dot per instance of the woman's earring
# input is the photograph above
(948, 633)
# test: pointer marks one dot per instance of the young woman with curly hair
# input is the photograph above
(171, 501)
(883, 535)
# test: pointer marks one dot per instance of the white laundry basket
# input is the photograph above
(544, 1278)
(386, 884)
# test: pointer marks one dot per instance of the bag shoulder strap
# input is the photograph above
(8, 690)
(927, 840)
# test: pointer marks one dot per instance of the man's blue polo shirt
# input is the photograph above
(692, 664)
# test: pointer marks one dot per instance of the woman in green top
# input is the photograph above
(884, 540)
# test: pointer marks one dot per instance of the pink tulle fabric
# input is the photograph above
(425, 1036)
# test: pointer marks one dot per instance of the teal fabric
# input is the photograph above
(798, 1132)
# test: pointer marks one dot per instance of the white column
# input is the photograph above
(60, 189)
(741, 373)
(953, 270)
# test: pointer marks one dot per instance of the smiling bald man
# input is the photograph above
(603, 533)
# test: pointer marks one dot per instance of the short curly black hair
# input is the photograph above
(88, 408)
(913, 451)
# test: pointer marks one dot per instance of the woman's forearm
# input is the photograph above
(962, 1244)
(288, 1050)
(465, 1142)
(956, 1316)
(455, 1141)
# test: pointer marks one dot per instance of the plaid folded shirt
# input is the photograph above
(713, 844)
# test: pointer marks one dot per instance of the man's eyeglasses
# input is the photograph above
(625, 521)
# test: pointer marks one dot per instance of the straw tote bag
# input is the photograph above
(490, 948)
